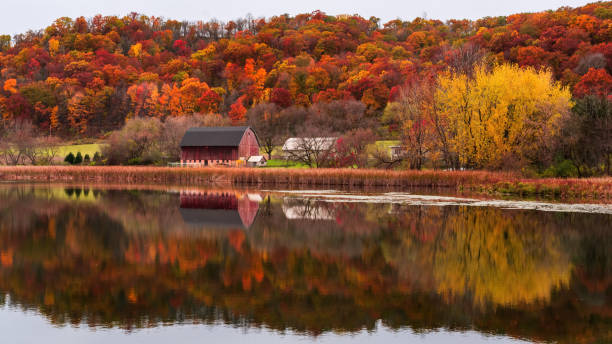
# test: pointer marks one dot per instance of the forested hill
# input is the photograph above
(84, 76)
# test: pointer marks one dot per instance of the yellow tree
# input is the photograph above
(10, 86)
(191, 91)
(78, 112)
(503, 117)
(54, 45)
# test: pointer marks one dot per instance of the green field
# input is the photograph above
(90, 149)
(285, 164)
(387, 143)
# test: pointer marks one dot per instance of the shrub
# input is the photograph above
(86, 159)
(134, 161)
(563, 169)
(78, 159)
(69, 158)
(97, 158)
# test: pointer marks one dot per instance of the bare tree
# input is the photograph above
(593, 60)
(49, 149)
(17, 143)
(268, 122)
(312, 151)
(463, 59)
(424, 130)
(339, 116)
(382, 158)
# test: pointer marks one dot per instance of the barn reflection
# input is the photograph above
(219, 209)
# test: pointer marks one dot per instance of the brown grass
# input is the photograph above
(475, 181)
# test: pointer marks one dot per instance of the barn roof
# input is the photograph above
(214, 137)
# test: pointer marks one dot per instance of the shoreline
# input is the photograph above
(478, 182)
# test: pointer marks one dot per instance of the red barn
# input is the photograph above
(219, 209)
(219, 145)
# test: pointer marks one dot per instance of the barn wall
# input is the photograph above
(247, 210)
(248, 147)
(248, 144)
(209, 153)
(213, 200)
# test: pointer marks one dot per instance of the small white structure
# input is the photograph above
(397, 151)
(257, 161)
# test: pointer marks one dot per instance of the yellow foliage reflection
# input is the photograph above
(498, 257)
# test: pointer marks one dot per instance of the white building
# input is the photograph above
(257, 161)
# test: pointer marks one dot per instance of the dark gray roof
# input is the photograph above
(212, 218)
(213, 137)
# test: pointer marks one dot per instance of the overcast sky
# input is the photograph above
(17, 16)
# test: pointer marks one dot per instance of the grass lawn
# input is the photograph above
(90, 149)
(285, 163)
(387, 143)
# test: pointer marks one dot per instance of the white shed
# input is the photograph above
(257, 161)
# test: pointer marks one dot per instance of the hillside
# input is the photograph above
(85, 76)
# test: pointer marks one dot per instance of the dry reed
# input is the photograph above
(474, 181)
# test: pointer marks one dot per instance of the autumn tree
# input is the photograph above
(414, 110)
(338, 116)
(5, 42)
(351, 149)
(136, 143)
(504, 117)
(238, 111)
(595, 82)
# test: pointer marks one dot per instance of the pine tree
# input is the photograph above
(69, 158)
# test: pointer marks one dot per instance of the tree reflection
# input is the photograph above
(132, 259)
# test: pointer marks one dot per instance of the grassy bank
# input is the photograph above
(597, 189)
(90, 149)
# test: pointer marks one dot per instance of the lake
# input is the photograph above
(100, 264)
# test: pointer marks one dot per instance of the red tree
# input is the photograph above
(594, 82)
(281, 97)
(238, 111)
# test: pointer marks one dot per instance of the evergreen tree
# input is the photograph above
(69, 158)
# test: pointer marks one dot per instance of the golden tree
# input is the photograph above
(505, 116)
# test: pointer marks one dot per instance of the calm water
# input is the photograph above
(98, 265)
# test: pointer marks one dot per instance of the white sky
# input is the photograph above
(17, 16)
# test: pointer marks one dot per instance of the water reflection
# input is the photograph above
(219, 209)
(130, 259)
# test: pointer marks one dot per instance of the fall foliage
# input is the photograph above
(84, 77)
(99, 71)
